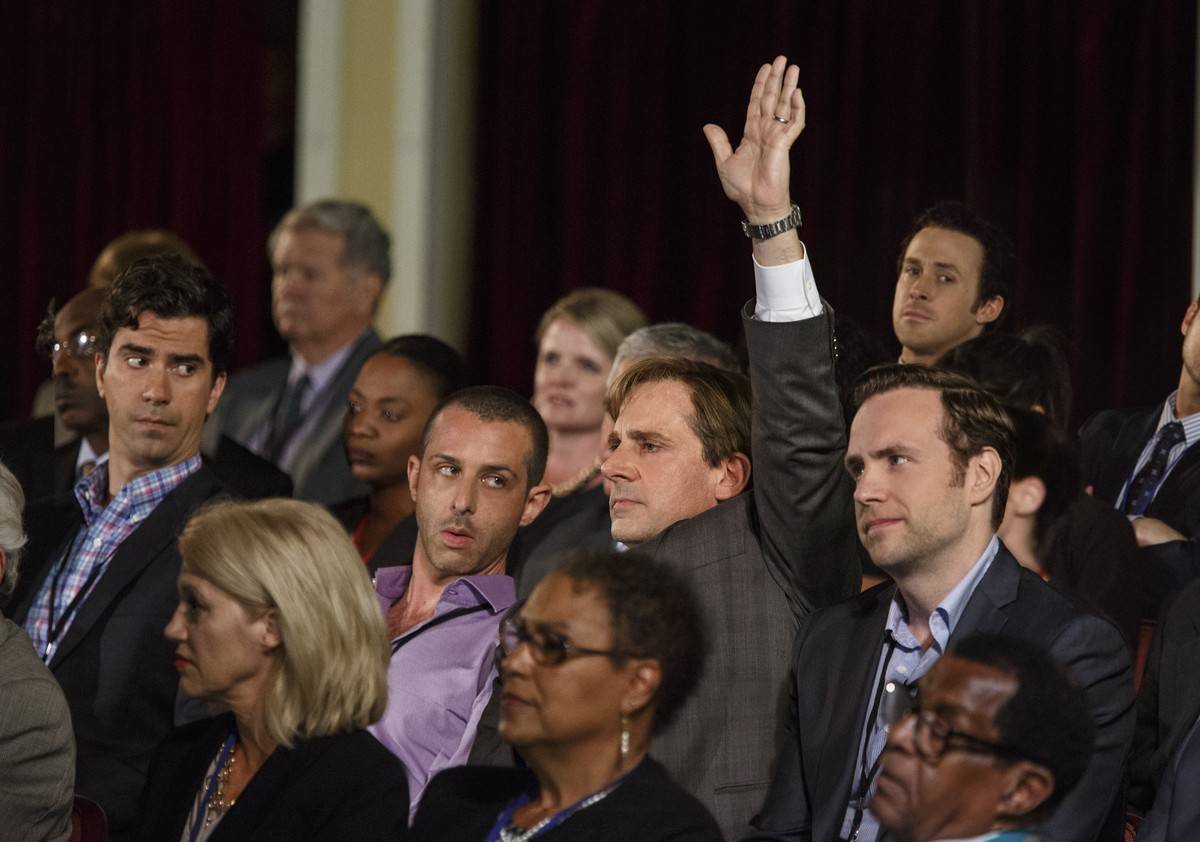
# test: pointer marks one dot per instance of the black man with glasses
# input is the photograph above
(599, 660)
(930, 457)
(996, 734)
(44, 467)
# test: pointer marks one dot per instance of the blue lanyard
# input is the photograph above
(226, 749)
(558, 818)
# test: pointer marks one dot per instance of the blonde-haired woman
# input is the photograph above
(277, 624)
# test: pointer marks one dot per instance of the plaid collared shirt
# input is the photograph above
(104, 529)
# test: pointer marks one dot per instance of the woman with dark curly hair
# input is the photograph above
(600, 658)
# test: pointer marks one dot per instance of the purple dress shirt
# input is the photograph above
(440, 680)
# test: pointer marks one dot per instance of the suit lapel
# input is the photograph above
(329, 427)
(836, 773)
(1177, 489)
(1126, 449)
(143, 546)
(984, 610)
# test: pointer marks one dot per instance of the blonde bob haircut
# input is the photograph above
(605, 316)
(292, 558)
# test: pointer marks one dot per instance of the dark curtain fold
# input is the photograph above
(1068, 124)
(122, 115)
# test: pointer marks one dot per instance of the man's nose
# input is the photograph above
(616, 466)
(921, 287)
(868, 487)
(157, 386)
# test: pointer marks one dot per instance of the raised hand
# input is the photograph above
(756, 174)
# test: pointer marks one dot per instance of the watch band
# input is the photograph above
(773, 229)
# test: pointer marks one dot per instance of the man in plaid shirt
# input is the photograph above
(100, 585)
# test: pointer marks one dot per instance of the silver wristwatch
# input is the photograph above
(773, 229)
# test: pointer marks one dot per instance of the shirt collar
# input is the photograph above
(141, 494)
(1191, 424)
(320, 374)
(949, 610)
(497, 590)
(86, 454)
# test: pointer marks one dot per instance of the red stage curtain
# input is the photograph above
(1068, 124)
(121, 115)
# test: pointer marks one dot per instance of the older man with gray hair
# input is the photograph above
(331, 260)
(674, 340)
(37, 763)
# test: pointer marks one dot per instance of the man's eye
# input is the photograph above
(494, 481)
(550, 358)
(649, 447)
(448, 470)
(390, 415)
(589, 366)
(136, 362)
(855, 471)
(185, 369)
(897, 459)
(353, 407)
(945, 279)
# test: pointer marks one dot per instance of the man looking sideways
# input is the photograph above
(475, 481)
(95, 601)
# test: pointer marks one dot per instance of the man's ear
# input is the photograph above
(982, 475)
(370, 288)
(414, 472)
(100, 364)
(536, 500)
(214, 395)
(1026, 496)
(989, 310)
(1028, 785)
(734, 476)
(1189, 317)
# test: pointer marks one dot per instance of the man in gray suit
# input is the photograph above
(37, 763)
(331, 261)
(683, 448)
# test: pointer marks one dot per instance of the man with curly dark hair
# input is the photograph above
(100, 581)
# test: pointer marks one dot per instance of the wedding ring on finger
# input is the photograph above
(783, 120)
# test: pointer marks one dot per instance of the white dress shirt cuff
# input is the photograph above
(786, 293)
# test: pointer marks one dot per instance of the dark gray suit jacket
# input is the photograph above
(37, 750)
(757, 564)
(837, 658)
(320, 472)
(1169, 700)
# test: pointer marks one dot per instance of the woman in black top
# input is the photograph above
(277, 624)
(602, 655)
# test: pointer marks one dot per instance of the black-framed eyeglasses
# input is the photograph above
(548, 648)
(81, 345)
(932, 735)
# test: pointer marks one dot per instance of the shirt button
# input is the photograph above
(902, 670)
(96, 542)
(452, 591)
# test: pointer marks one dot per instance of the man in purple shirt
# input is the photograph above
(476, 481)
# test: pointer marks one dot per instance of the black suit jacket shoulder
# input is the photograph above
(114, 665)
(836, 658)
(464, 803)
(342, 787)
(1111, 442)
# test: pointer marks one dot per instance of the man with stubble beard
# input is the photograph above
(476, 479)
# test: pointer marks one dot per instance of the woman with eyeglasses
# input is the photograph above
(598, 659)
(278, 627)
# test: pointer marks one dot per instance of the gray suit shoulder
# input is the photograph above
(37, 764)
